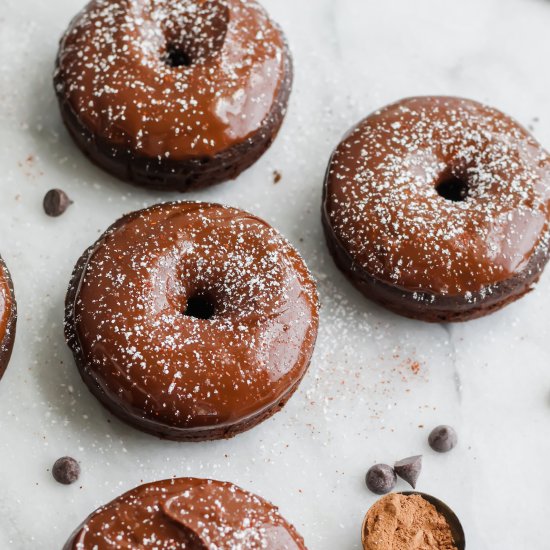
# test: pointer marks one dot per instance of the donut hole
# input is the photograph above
(200, 306)
(177, 57)
(192, 36)
(452, 187)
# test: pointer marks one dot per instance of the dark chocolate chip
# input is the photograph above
(66, 470)
(56, 202)
(381, 479)
(409, 469)
(443, 439)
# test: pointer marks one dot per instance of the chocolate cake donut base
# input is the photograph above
(428, 307)
(185, 175)
(188, 513)
(195, 436)
(134, 416)
(438, 208)
(146, 425)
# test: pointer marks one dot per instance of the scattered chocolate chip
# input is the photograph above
(277, 176)
(443, 439)
(56, 202)
(409, 469)
(381, 479)
(66, 470)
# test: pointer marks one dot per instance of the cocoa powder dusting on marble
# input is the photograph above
(400, 522)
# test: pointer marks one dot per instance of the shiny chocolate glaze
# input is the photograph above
(8, 317)
(155, 365)
(190, 514)
(173, 127)
(405, 241)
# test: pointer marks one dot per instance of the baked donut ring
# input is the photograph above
(173, 94)
(192, 321)
(8, 317)
(438, 208)
(187, 513)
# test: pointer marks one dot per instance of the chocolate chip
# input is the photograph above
(277, 176)
(381, 479)
(443, 439)
(409, 469)
(56, 202)
(66, 470)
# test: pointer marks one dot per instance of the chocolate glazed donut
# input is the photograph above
(173, 94)
(8, 317)
(438, 208)
(195, 514)
(192, 321)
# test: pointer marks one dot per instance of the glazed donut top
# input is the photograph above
(383, 204)
(194, 371)
(187, 513)
(173, 79)
(6, 303)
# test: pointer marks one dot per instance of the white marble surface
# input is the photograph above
(360, 402)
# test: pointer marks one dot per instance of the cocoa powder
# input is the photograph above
(400, 522)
